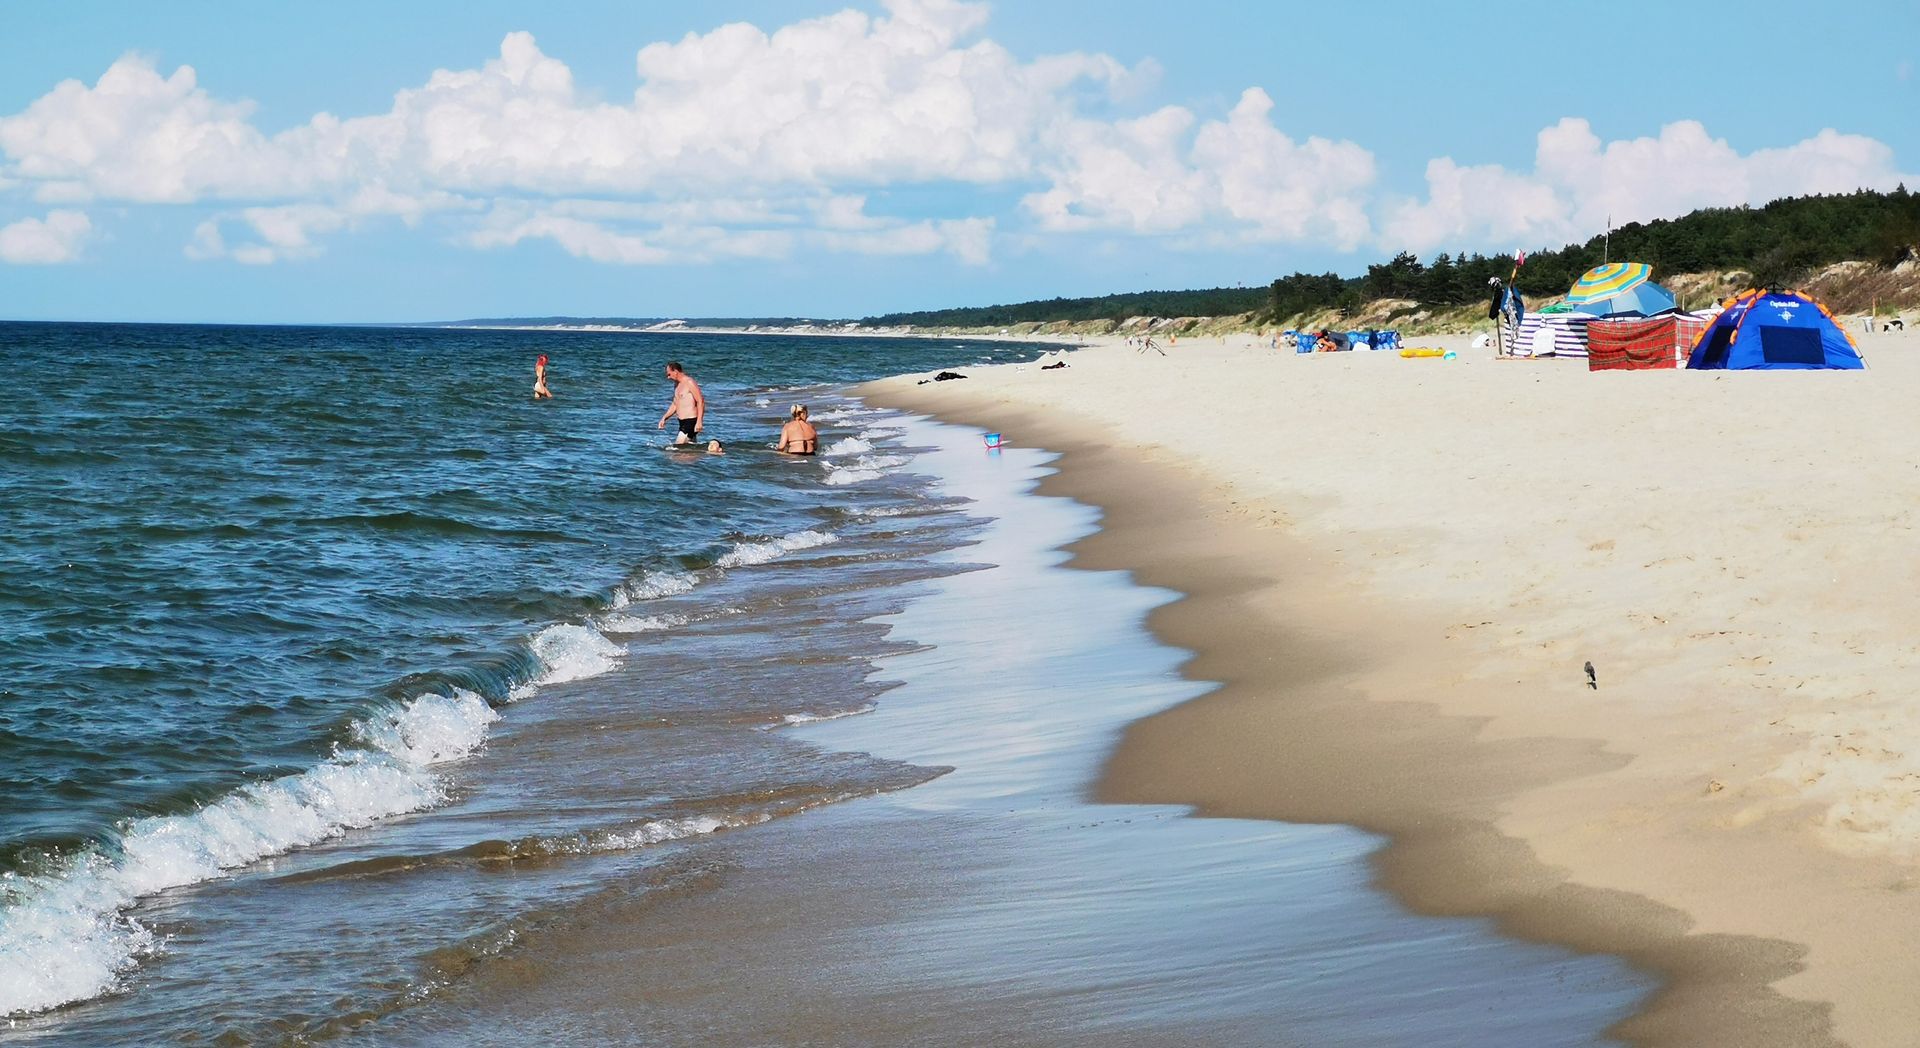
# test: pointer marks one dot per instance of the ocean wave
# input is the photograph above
(430, 730)
(642, 834)
(746, 553)
(659, 831)
(814, 718)
(847, 446)
(407, 521)
(652, 586)
(845, 414)
(862, 469)
(66, 935)
(570, 652)
(638, 835)
(641, 623)
(851, 475)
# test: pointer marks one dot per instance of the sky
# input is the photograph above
(369, 162)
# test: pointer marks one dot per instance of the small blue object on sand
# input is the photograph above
(992, 439)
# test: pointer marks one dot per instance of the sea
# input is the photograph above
(348, 693)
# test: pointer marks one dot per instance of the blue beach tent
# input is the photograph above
(1775, 330)
(1646, 299)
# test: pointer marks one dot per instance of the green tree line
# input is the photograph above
(1779, 243)
(1213, 302)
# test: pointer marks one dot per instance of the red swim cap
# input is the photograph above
(542, 360)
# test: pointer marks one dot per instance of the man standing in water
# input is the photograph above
(688, 403)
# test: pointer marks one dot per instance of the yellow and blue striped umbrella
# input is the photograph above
(1604, 282)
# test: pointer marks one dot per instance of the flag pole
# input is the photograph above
(1506, 293)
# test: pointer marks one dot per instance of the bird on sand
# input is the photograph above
(1592, 681)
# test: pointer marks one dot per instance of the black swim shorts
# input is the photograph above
(688, 427)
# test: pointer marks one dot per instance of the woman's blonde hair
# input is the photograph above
(798, 411)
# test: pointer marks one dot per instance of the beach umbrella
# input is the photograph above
(1643, 300)
(1604, 282)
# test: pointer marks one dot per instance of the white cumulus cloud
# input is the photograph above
(601, 232)
(43, 241)
(801, 122)
(137, 136)
(577, 236)
(1578, 182)
(744, 142)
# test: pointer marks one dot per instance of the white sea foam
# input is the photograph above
(844, 414)
(864, 468)
(570, 652)
(432, 729)
(747, 553)
(641, 623)
(66, 935)
(652, 586)
(848, 446)
(660, 831)
(815, 718)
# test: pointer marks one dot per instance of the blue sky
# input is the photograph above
(906, 155)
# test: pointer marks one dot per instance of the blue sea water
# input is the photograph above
(257, 582)
(348, 693)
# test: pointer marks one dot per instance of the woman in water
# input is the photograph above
(540, 379)
(798, 437)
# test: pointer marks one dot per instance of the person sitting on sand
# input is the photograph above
(798, 437)
(540, 389)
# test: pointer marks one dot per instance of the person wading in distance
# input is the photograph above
(540, 390)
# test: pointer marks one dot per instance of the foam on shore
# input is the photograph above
(66, 935)
(1489, 527)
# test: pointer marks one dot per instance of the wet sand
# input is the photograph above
(1505, 787)
(998, 903)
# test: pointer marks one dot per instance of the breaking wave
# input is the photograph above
(760, 552)
(66, 935)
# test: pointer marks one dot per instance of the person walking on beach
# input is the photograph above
(688, 403)
(540, 390)
(798, 437)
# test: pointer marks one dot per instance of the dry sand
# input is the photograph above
(1397, 568)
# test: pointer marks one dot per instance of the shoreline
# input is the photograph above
(1418, 745)
(1068, 340)
(995, 903)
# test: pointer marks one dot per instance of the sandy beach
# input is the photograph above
(1396, 570)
